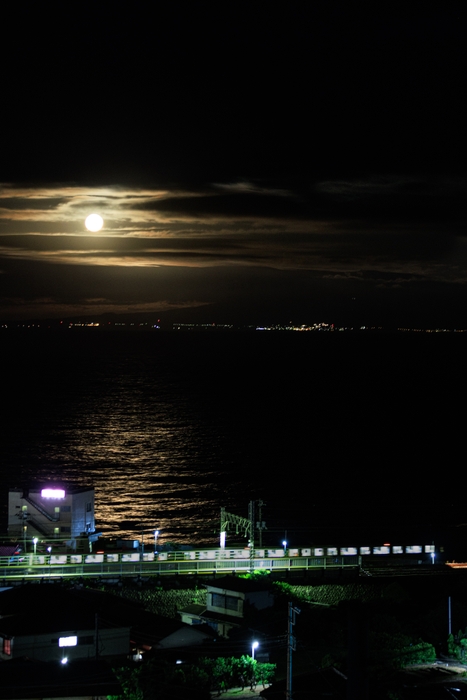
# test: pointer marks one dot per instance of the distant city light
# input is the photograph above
(53, 493)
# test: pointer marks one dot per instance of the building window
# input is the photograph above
(65, 509)
(228, 602)
(68, 641)
(7, 647)
(88, 507)
(56, 531)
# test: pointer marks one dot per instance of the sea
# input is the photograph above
(346, 438)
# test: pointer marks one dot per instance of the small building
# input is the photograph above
(52, 513)
(51, 623)
(226, 603)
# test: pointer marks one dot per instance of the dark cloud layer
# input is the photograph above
(308, 159)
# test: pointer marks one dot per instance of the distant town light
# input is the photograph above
(53, 493)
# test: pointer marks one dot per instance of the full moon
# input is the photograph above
(94, 222)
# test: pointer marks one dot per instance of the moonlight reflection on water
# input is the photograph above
(170, 428)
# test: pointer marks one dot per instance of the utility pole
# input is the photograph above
(260, 524)
(251, 543)
(449, 616)
(290, 648)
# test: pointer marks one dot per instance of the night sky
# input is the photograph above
(252, 163)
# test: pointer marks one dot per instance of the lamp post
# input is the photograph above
(254, 646)
(34, 541)
(156, 535)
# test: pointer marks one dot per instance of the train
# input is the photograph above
(425, 553)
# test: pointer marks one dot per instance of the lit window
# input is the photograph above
(385, 549)
(7, 647)
(53, 493)
(67, 641)
(413, 549)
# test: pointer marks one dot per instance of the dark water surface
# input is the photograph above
(348, 436)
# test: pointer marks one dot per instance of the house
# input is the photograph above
(51, 513)
(227, 602)
(48, 622)
(166, 633)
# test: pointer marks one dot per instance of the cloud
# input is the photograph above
(336, 229)
(49, 307)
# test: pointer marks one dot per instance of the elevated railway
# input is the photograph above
(207, 562)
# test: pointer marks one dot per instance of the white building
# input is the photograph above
(50, 513)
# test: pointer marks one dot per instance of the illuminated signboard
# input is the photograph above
(53, 493)
(67, 641)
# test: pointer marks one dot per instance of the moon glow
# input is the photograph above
(94, 222)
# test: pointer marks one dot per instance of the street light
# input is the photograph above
(35, 541)
(253, 647)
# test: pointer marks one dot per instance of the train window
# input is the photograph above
(413, 549)
(332, 551)
(381, 550)
(397, 549)
(365, 550)
(430, 548)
